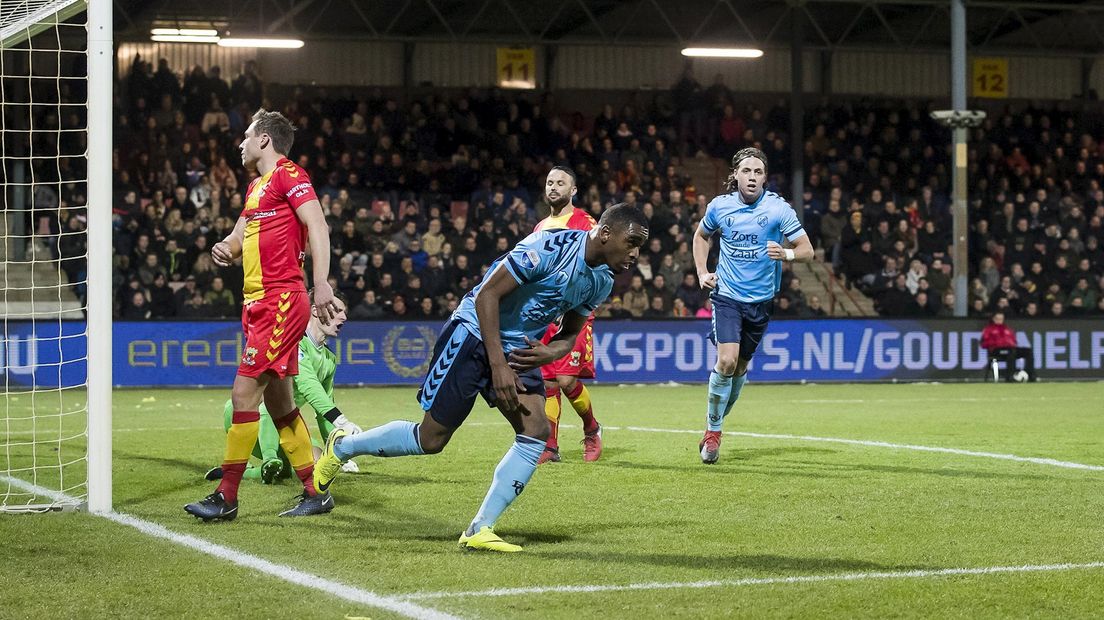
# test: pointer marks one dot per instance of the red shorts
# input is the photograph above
(578, 363)
(273, 327)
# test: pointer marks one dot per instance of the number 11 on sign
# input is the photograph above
(516, 67)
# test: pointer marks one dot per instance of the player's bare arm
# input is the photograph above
(538, 354)
(702, 243)
(802, 250)
(503, 378)
(224, 252)
(318, 233)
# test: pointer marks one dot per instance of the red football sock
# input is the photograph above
(231, 478)
(240, 439)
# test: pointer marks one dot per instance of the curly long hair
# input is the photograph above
(741, 155)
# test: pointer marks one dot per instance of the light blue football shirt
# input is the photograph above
(744, 271)
(553, 277)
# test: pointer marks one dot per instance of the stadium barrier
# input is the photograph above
(192, 354)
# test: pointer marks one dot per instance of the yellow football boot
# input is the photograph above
(328, 465)
(486, 540)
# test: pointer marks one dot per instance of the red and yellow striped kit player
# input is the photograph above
(276, 310)
(281, 214)
(563, 375)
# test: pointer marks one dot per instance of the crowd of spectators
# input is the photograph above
(877, 204)
(422, 194)
(420, 197)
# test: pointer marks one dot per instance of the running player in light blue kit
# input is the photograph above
(491, 346)
(752, 223)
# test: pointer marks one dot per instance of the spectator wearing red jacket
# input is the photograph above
(1000, 341)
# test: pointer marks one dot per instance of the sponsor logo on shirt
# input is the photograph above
(299, 190)
(260, 215)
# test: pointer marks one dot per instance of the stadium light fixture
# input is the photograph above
(722, 52)
(183, 38)
(276, 43)
(186, 32)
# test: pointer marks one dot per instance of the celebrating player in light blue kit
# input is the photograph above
(491, 346)
(751, 222)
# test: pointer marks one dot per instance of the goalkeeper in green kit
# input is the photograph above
(313, 386)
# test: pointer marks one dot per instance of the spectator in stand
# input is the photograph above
(813, 309)
(367, 309)
(636, 298)
(706, 311)
(137, 307)
(657, 309)
(617, 311)
(690, 293)
(784, 309)
(1000, 341)
(219, 299)
(162, 302)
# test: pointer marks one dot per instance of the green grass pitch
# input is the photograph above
(648, 513)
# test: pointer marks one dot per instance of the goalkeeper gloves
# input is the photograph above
(339, 420)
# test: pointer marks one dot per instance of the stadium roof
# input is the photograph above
(1064, 28)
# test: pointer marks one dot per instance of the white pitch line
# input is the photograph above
(965, 399)
(882, 444)
(754, 581)
(280, 571)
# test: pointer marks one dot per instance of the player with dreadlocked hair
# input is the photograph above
(752, 223)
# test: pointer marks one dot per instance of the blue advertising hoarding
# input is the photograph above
(192, 354)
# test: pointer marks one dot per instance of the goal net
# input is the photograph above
(44, 262)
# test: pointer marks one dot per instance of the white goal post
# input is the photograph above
(56, 83)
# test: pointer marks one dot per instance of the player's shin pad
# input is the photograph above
(552, 403)
(242, 436)
(295, 440)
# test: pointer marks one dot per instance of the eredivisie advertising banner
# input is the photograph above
(194, 354)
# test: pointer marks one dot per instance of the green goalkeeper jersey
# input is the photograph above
(314, 384)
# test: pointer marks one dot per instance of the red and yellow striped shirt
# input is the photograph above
(575, 219)
(274, 246)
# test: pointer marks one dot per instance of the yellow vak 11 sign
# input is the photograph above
(516, 67)
(990, 78)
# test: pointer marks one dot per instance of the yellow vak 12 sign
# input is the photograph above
(990, 78)
(516, 67)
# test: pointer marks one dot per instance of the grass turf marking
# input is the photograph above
(755, 581)
(881, 444)
(280, 571)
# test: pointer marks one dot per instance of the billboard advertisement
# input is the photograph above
(193, 354)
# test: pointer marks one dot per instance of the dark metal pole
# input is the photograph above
(797, 113)
(960, 230)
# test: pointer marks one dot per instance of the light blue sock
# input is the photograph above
(737, 385)
(398, 438)
(720, 390)
(510, 477)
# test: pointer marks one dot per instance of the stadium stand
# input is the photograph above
(422, 194)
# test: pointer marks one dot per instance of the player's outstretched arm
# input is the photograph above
(318, 232)
(500, 283)
(224, 252)
(802, 250)
(702, 243)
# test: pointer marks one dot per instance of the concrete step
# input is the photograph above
(811, 285)
(40, 310)
(34, 281)
(837, 299)
(707, 174)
